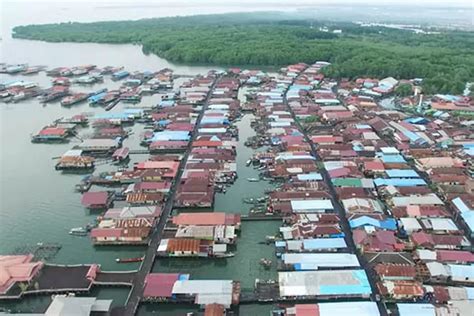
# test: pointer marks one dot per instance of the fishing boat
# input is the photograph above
(129, 260)
(253, 179)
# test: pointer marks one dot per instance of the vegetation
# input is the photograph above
(445, 60)
(311, 119)
(404, 90)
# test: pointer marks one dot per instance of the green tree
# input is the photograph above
(404, 90)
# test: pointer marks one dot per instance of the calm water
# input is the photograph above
(38, 204)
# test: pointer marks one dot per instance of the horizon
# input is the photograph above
(465, 4)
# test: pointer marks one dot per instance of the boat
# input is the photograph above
(266, 263)
(131, 97)
(253, 179)
(129, 260)
(78, 231)
(112, 104)
(74, 98)
(249, 162)
(53, 93)
(85, 80)
(120, 75)
(224, 255)
(33, 70)
(13, 69)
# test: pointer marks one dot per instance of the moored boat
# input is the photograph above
(129, 260)
(74, 98)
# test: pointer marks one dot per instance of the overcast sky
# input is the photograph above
(464, 3)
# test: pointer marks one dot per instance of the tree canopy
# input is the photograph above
(444, 60)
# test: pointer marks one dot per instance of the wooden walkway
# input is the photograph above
(136, 293)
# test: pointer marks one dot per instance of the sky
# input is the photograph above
(449, 3)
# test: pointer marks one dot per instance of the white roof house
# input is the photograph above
(76, 306)
(313, 261)
(311, 206)
(206, 291)
(352, 283)
(410, 224)
(429, 199)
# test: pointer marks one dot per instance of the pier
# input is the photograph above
(136, 293)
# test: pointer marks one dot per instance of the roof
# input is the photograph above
(306, 310)
(324, 243)
(411, 309)
(76, 306)
(303, 206)
(52, 131)
(94, 198)
(399, 182)
(345, 308)
(98, 142)
(206, 218)
(214, 310)
(160, 284)
(402, 173)
(314, 261)
(326, 283)
(454, 256)
(206, 291)
(428, 199)
(309, 177)
(389, 223)
(173, 165)
(16, 268)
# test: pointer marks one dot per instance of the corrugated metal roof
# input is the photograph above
(402, 173)
(303, 206)
(348, 308)
(409, 309)
(322, 259)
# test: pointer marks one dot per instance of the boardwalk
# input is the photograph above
(147, 264)
(339, 209)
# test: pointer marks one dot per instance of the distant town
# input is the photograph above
(368, 181)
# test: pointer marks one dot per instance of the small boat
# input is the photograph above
(253, 179)
(129, 260)
(78, 231)
(249, 162)
(266, 263)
